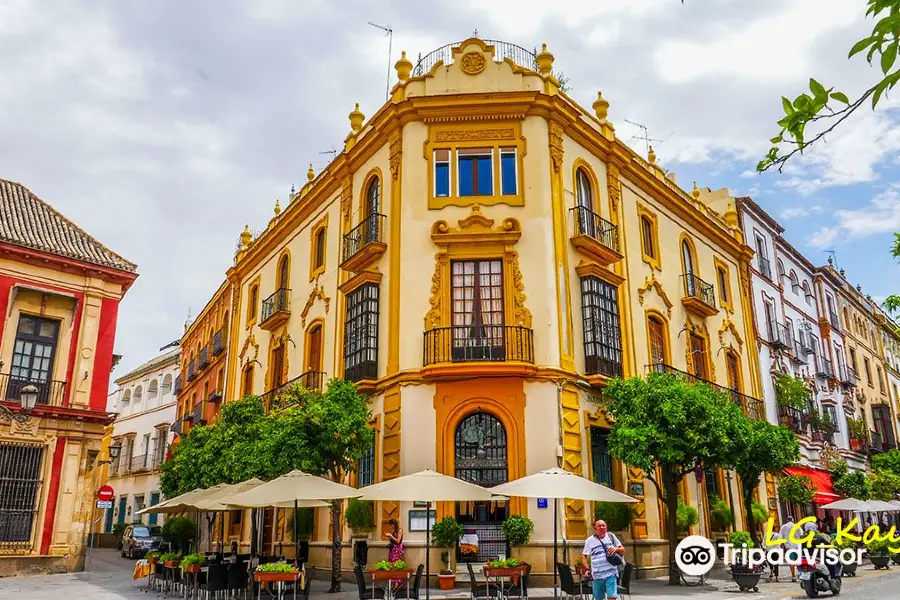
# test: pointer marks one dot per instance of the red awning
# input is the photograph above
(821, 479)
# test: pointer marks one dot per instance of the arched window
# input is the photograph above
(807, 292)
(138, 396)
(648, 239)
(795, 281)
(687, 257)
(153, 390)
(480, 450)
(319, 249)
(780, 267)
(373, 199)
(284, 272)
(658, 339)
(126, 401)
(253, 304)
(585, 201)
(167, 384)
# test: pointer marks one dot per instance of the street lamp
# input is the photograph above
(113, 455)
(27, 400)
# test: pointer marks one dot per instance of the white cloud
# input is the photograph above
(881, 215)
(801, 211)
(823, 238)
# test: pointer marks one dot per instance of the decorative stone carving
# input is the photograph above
(521, 314)
(652, 283)
(613, 186)
(396, 152)
(317, 292)
(556, 146)
(346, 199)
(250, 342)
(472, 63)
(433, 317)
(468, 135)
(728, 325)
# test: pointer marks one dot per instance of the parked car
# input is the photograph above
(139, 539)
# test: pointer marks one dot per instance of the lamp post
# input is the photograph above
(27, 400)
(113, 455)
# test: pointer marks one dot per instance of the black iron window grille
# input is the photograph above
(20, 485)
(361, 334)
(602, 329)
(366, 468)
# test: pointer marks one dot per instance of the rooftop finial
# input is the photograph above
(403, 67)
(651, 156)
(694, 192)
(544, 60)
(277, 207)
(601, 106)
(310, 175)
(356, 119)
(246, 236)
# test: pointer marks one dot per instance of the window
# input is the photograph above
(278, 378)
(476, 173)
(795, 282)
(314, 348)
(807, 292)
(33, 353)
(602, 333)
(853, 361)
(361, 333)
(319, 252)
(780, 267)
(19, 487)
(687, 257)
(509, 181)
(761, 247)
(733, 370)
(659, 346)
(477, 310)
(832, 415)
(649, 239)
(167, 384)
(712, 486)
(699, 367)
(769, 308)
(247, 381)
(724, 286)
(373, 198)
(284, 272)
(601, 462)
(441, 173)
(880, 379)
(138, 397)
(366, 468)
(868, 368)
(253, 303)
(583, 190)
(145, 450)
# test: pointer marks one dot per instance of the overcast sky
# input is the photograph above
(163, 126)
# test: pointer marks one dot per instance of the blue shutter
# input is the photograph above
(508, 180)
(466, 183)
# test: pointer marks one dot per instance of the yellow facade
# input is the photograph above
(560, 211)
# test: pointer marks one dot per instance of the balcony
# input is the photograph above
(781, 337)
(765, 267)
(192, 370)
(824, 368)
(199, 416)
(218, 342)
(754, 408)
(214, 396)
(279, 397)
(177, 387)
(848, 377)
(699, 296)
(478, 343)
(364, 244)
(140, 463)
(203, 358)
(177, 427)
(799, 355)
(824, 434)
(833, 319)
(878, 443)
(50, 393)
(276, 309)
(859, 443)
(793, 418)
(594, 236)
(502, 50)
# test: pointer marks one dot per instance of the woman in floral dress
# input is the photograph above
(395, 546)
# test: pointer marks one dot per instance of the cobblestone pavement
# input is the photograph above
(110, 577)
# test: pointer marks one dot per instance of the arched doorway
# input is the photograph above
(480, 457)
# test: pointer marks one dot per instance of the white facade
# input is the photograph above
(799, 335)
(146, 405)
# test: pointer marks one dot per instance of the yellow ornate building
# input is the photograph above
(480, 258)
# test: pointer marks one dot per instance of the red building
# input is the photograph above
(59, 295)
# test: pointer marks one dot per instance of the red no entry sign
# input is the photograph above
(105, 493)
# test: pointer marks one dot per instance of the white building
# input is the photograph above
(145, 401)
(800, 335)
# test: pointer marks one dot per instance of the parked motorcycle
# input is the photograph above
(815, 578)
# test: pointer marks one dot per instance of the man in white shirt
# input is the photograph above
(785, 533)
(597, 550)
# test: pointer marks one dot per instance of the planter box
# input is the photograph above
(192, 568)
(447, 582)
(382, 575)
(275, 577)
(503, 571)
(153, 561)
(172, 563)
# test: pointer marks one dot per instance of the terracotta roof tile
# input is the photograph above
(28, 221)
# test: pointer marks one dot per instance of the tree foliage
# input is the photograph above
(884, 485)
(796, 489)
(853, 484)
(668, 423)
(825, 108)
(888, 461)
(791, 391)
(769, 449)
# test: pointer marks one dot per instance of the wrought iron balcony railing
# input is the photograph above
(781, 336)
(177, 387)
(502, 50)
(824, 367)
(218, 342)
(192, 370)
(794, 418)
(848, 376)
(754, 408)
(279, 397)
(214, 396)
(765, 267)
(834, 320)
(203, 358)
(594, 226)
(694, 287)
(50, 393)
(471, 343)
(369, 231)
(199, 415)
(277, 303)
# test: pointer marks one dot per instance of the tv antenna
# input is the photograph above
(833, 257)
(331, 152)
(390, 36)
(644, 134)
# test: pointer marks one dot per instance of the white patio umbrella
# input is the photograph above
(881, 506)
(559, 484)
(427, 486)
(177, 504)
(851, 504)
(895, 503)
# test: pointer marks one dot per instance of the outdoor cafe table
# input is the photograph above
(279, 579)
(501, 573)
(388, 576)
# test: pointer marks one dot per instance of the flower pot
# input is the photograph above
(895, 557)
(880, 561)
(855, 444)
(360, 533)
(172, 563)
(154, 560)
(849, 569)
(192, 569)
(747, 582)
(447, 582)
(265, 577)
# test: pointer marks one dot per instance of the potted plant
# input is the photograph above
(848, 568)
(894, 551)
(360, 517)
(192, 562)
(859, 433)
(746, 578)
(879, 553)
(391, 570)
(719, 514)
(580, 567)
(686, 517)
(276, 571)
(153, 557)
(179, 532)
(445, 534)
(170, 559)
(518, 530)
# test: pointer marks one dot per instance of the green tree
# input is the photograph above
(669, 423)
(796, 489)
(328, 432)
(853, 484)
(889, 461)
(769, 449)
(884, 485)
